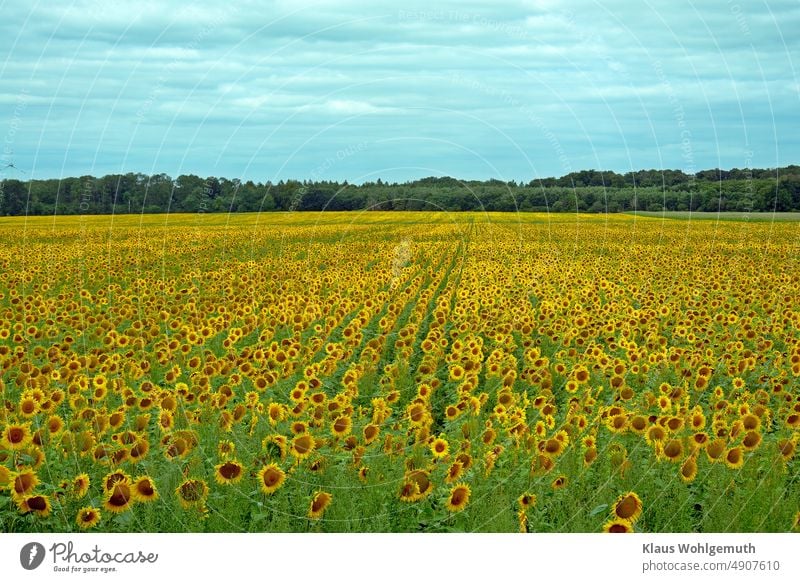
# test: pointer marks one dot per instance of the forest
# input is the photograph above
(592, 191)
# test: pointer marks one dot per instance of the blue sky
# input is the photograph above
(511, 89)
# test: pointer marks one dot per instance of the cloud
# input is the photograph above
(271, 90)
(342, 107)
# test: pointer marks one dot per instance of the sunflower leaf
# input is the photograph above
(125, 518)
(599, 509)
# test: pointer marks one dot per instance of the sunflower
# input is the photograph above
(689, 470)
(465, 459)
(734, 458)
(543, 463)
(488, 436)
(664, 403)
(751, 421)
(36, 504)
(454, 472)
(192, 492)
(88, 517)
(276, 445)
(458, 498)
(674, 423)
(422, 480)
(144, 490)
(559, 482)
(276, 413)
(698, 420)
(698, 440)
(409, 492)
(672, 450)
(456, 373)
(370, 432)
(715, 450)
(526, 501)
(298, 427)
(302, 446)
(751, 440)
(317, 465)
(270, 478)
(115, 477)
(440, 448)
(552, 447)
(342, 426)
(638, 424)
(139, 449)
(655, 433)
(786, 448)
(618, 526)
(581, 374)
(627, 507)
(24, 482)
(617, 423)
(228, 472)
(319, 504)
(15, 436)
(118, 498)
(55, 424)
(416, 414)
(226, 449)
(176, 447)
(80, 486)
(29, 407)
(362, 473)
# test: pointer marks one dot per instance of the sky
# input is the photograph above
(354, 90)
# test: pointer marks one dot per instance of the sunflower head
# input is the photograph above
(114, 478)
(88, 517)
(37, 504)
(23, 482)
(627, 507)
(302, 446)
(526, 501)
(618, 526)
(734, 458)
(228, 472)
(80, 486)
(342, 425)
(319, 503)
(270, 478)
(119, 498)
(440, 448)
(15, 436)
(458, 498)
(192, 492)
(144, 490)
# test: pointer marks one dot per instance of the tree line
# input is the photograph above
(744, 190)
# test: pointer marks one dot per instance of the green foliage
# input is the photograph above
(746, 190)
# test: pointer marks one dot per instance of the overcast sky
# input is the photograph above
(347, 89)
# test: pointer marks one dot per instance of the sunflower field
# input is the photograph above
(399, 372)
